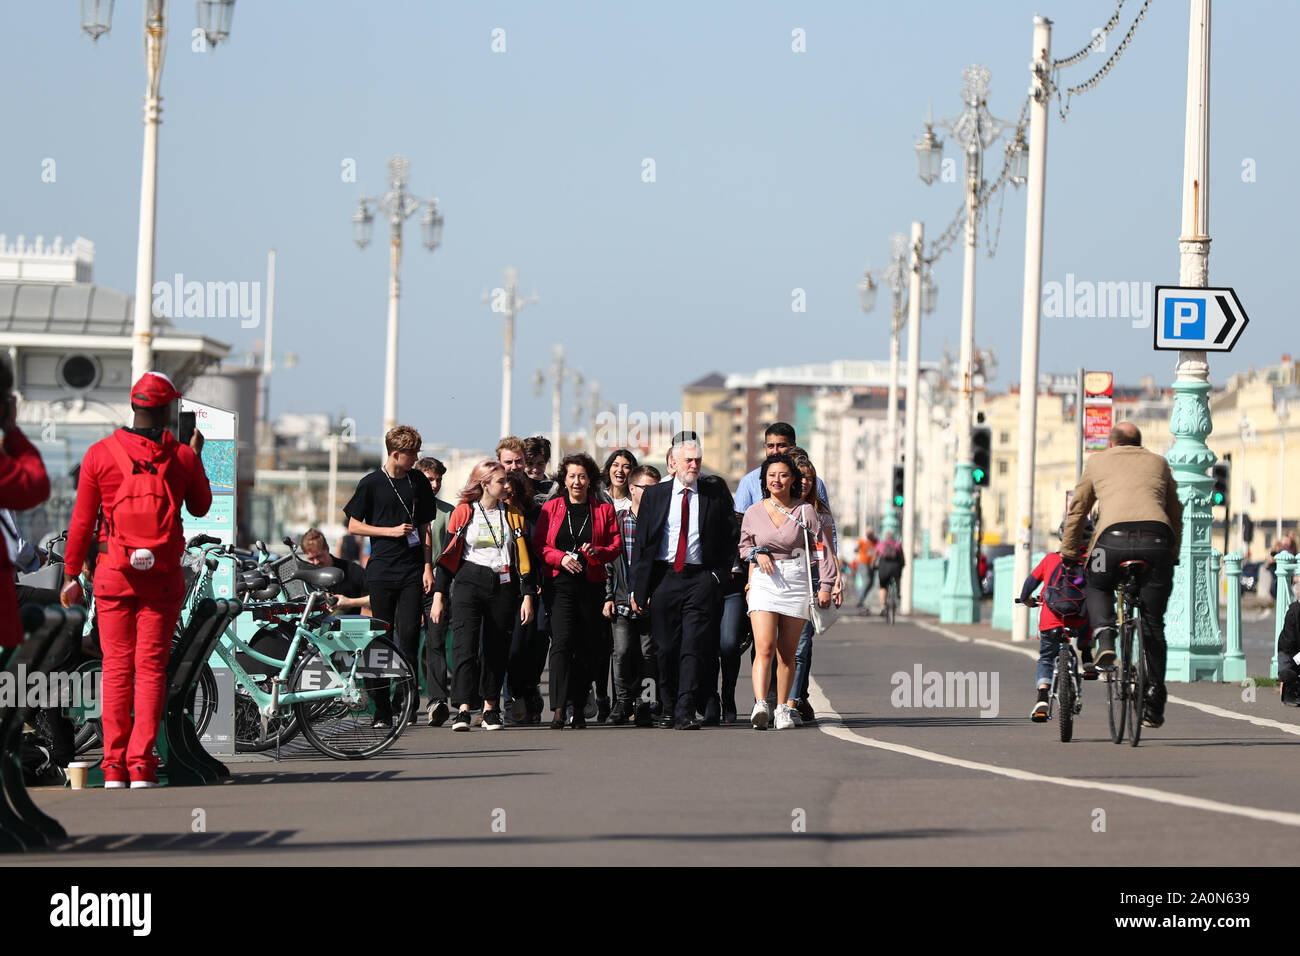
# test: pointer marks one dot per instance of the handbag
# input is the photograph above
(822, 617)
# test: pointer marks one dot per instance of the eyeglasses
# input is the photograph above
(645, 486)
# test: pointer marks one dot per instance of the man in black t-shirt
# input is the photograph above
(393, 506)
(351, 593)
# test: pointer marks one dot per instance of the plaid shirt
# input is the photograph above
(627, 528)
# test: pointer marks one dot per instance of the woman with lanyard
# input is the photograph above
(773, 537)
(576, 537)
(488, 559)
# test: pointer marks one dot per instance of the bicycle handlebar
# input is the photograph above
(200, 540)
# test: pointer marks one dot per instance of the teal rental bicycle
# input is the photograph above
(347, 687)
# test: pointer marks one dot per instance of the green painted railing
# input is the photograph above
(1006, 589)
(927, 584)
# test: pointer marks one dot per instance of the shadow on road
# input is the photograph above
(366, 776)
(254, 841)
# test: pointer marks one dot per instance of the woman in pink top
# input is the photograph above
(773, 540)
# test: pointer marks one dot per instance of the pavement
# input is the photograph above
(888, 776)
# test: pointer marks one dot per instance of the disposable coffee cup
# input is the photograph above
(77, 774)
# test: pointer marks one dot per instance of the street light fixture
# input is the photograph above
(974, 129)
(214, 18)
(929, 154)
(398, 205)
(97, 19)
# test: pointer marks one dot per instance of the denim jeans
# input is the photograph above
(733, 619)
(803, 662)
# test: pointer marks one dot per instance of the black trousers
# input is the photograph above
(685, 610)
(435, 653)
(529, 647)
(399, 603)
(1149, 541)
(483, 612)
(576, 627)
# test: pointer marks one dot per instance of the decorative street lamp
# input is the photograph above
(974, 129)
(398, 205)
(507, 300)
(97, 19)
(896, 276)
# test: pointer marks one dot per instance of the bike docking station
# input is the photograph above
(50, 637)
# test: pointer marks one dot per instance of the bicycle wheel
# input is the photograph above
(346, 731)
(1065, 692)
(203, 700)
(1116, 706)
(1138, 687)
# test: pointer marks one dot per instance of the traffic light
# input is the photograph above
(981, 440)
(1222, 472)
(898, 486)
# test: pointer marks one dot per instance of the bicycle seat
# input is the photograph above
(319, 579)
(1135, 566)
(253, 581)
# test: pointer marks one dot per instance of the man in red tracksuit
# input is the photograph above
(137, 599)
(23, 484)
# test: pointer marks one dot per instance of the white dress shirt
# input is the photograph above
(668, 552)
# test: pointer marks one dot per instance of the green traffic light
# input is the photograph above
(1218, 498)
(978, 475)
(898, 501)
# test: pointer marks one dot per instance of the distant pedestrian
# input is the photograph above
(634, 648)
(437, 637)
(23, 484)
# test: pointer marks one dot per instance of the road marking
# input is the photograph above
(824, 710)
(1210, 709)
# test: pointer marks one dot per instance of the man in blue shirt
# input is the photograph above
(778, 440)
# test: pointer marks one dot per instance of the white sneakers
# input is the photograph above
(786, 717)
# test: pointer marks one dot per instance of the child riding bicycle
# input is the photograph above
(1057, 614)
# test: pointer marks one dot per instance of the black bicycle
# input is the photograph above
(1127, 680)
(1065, 699)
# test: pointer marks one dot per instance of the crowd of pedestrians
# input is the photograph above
(629, 586)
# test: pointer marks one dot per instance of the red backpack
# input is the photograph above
(142, 517)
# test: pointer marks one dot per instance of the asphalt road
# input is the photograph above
(872, 783)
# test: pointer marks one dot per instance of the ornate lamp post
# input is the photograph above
(214, 18)
(507, 300)
(896, 276)
(398, 205)
(975, 129)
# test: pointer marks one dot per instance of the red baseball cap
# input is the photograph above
(153, 390)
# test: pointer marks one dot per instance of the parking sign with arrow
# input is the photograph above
(1198, 320)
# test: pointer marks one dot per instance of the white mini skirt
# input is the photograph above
(784, 591)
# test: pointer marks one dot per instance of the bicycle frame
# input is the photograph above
(353, 636)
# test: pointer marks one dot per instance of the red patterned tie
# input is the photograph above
(679, 561)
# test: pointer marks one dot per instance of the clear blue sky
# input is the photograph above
(775, 170)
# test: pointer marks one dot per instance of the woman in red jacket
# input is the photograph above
(576, 537)
(23, 484)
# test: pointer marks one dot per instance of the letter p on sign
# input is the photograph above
(1185, 318)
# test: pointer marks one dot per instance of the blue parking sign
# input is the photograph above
(1184, 318)
(1198, 319)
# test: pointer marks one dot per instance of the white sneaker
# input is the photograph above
(761, 716)
(115, 784)
(784, 721)
(794, 715)
(143, 784)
